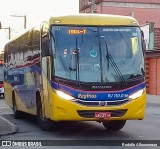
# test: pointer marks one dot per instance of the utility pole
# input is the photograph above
(93, 8)
(92, 4)
(25, 22)
(25, 19)
(9, 30)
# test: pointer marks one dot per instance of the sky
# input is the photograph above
(35, 11)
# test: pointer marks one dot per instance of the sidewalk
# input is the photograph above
(155, 99)
(7, 127)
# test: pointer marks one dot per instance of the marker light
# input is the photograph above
(64, 95)
(57, 21)
(134, 22)
(137, 94)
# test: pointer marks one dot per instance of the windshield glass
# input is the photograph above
(97, 54)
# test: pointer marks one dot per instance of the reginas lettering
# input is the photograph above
(84, 96)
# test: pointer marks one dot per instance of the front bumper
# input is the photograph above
(2, 91)
(61, 109)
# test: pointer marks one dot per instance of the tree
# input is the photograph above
(1, 55)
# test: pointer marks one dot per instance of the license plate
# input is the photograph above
(102, 114)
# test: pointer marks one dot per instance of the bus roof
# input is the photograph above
(94, 19)
(88, 19)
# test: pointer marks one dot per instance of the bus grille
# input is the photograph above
(97, 103)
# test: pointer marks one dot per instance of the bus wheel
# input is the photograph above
(114, 125)
(45, 124)
(16, 113)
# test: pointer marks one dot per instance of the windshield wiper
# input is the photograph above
(108, 55)
(116, 69)
(72, 69)
(135, 77)
(75, 68)
(114, 65)
(77, 61)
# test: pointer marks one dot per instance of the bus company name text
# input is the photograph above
(84, 96)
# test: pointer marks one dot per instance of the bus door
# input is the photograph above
(46, 72)
(45, 82)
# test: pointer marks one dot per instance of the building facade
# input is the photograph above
(144, 11)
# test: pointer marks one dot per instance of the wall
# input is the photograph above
(143, 15)
(153, 75)
(143, 10)
(156, 38)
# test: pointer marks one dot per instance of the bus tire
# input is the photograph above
(16, 113)
(114, 125)
(45, 123)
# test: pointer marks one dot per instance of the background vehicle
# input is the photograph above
(78, 67)
(1, 79)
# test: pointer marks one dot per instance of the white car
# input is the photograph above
(1, 91)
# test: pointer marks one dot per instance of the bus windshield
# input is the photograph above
(97, 53)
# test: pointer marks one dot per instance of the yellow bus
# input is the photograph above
(85, 67)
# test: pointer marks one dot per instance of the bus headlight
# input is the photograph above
(137, 94)
(64, 95)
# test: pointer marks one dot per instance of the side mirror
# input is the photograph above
(46, 48)
(143, 45)
(143, 41)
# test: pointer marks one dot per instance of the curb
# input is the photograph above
(14, 127)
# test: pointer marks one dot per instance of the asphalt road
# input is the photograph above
(28, 129)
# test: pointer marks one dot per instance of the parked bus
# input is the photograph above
(86, 67)
(1, 79)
